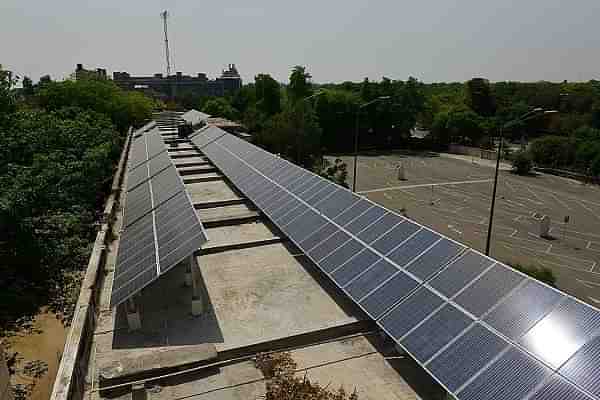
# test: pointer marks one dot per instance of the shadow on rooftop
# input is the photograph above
(166, 316)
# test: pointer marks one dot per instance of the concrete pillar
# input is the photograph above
(545, 226)
(197, 302)
(5, 388)
(134, 318)
(188, 274)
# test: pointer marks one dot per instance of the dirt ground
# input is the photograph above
(46, 346)
(453, 195)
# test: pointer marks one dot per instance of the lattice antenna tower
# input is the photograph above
(164, 15)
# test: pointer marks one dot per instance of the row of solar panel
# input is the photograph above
(161, 225)
(439, 300)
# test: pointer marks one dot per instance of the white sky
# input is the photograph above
(444, 40)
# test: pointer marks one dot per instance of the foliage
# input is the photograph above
(522, 162)
(480, 97)
(336, 172)
(57, 157)
(542, 274)
(553, 151)
(123, 108)
(280, 370)
(295, 133)
(300, 86)
(268, 94)
(220, 107)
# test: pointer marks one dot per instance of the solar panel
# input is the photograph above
(512, 376)
(517, 313)
(459, 313)
(557, 388)
(161, 227)
(488, 289)
(178, 230)
(459, 273)
(466, 356)
(434, 333)
(567, 328)
(388, 294)
(433, 260)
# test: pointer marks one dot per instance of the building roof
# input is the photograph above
(273, 278)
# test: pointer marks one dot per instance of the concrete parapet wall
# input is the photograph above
(70, 379)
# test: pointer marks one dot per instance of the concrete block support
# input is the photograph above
(188, 274)
(134, 319)
(197, 301)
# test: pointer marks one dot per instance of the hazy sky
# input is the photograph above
(443, 40)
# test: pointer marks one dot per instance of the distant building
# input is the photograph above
(82, 73)
(180, 85)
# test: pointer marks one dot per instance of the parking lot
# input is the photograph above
(453, 195)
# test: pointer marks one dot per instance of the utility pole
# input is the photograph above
(164, 16)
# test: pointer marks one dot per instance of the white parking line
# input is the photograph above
(589, 209)
(425, 185)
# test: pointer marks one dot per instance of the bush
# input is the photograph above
(541, 274)
(522, 163)
(553, 151)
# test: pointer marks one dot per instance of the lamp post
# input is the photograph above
(380, 98)
(536, 112)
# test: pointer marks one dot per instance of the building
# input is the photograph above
(180, 85)
(360, 296)
(82, 73)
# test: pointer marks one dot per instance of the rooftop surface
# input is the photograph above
(259, 294)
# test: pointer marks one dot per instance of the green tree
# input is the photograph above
(522, 163)
(553, 151)
(268, 94)
(480, 97)
(295, 133)
(124, 108)
(7, 101)
(27, 86)
(220, 107)
(300, 86)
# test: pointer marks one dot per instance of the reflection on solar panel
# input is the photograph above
(467, 319)
(161, 227)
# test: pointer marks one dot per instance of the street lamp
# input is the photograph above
(536, 112)
(380, 98)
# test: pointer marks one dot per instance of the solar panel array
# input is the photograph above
(160, 224)
(480, 328)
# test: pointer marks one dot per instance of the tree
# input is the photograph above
(336, 172)
(7, 101)
(27, 86)
(300, 86)
(522, 163)
(124, 108)
(220, 107)
(553, 151)
(480, 97)
(268, 94)
(295, 133)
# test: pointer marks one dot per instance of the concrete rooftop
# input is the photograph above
(260, 294)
